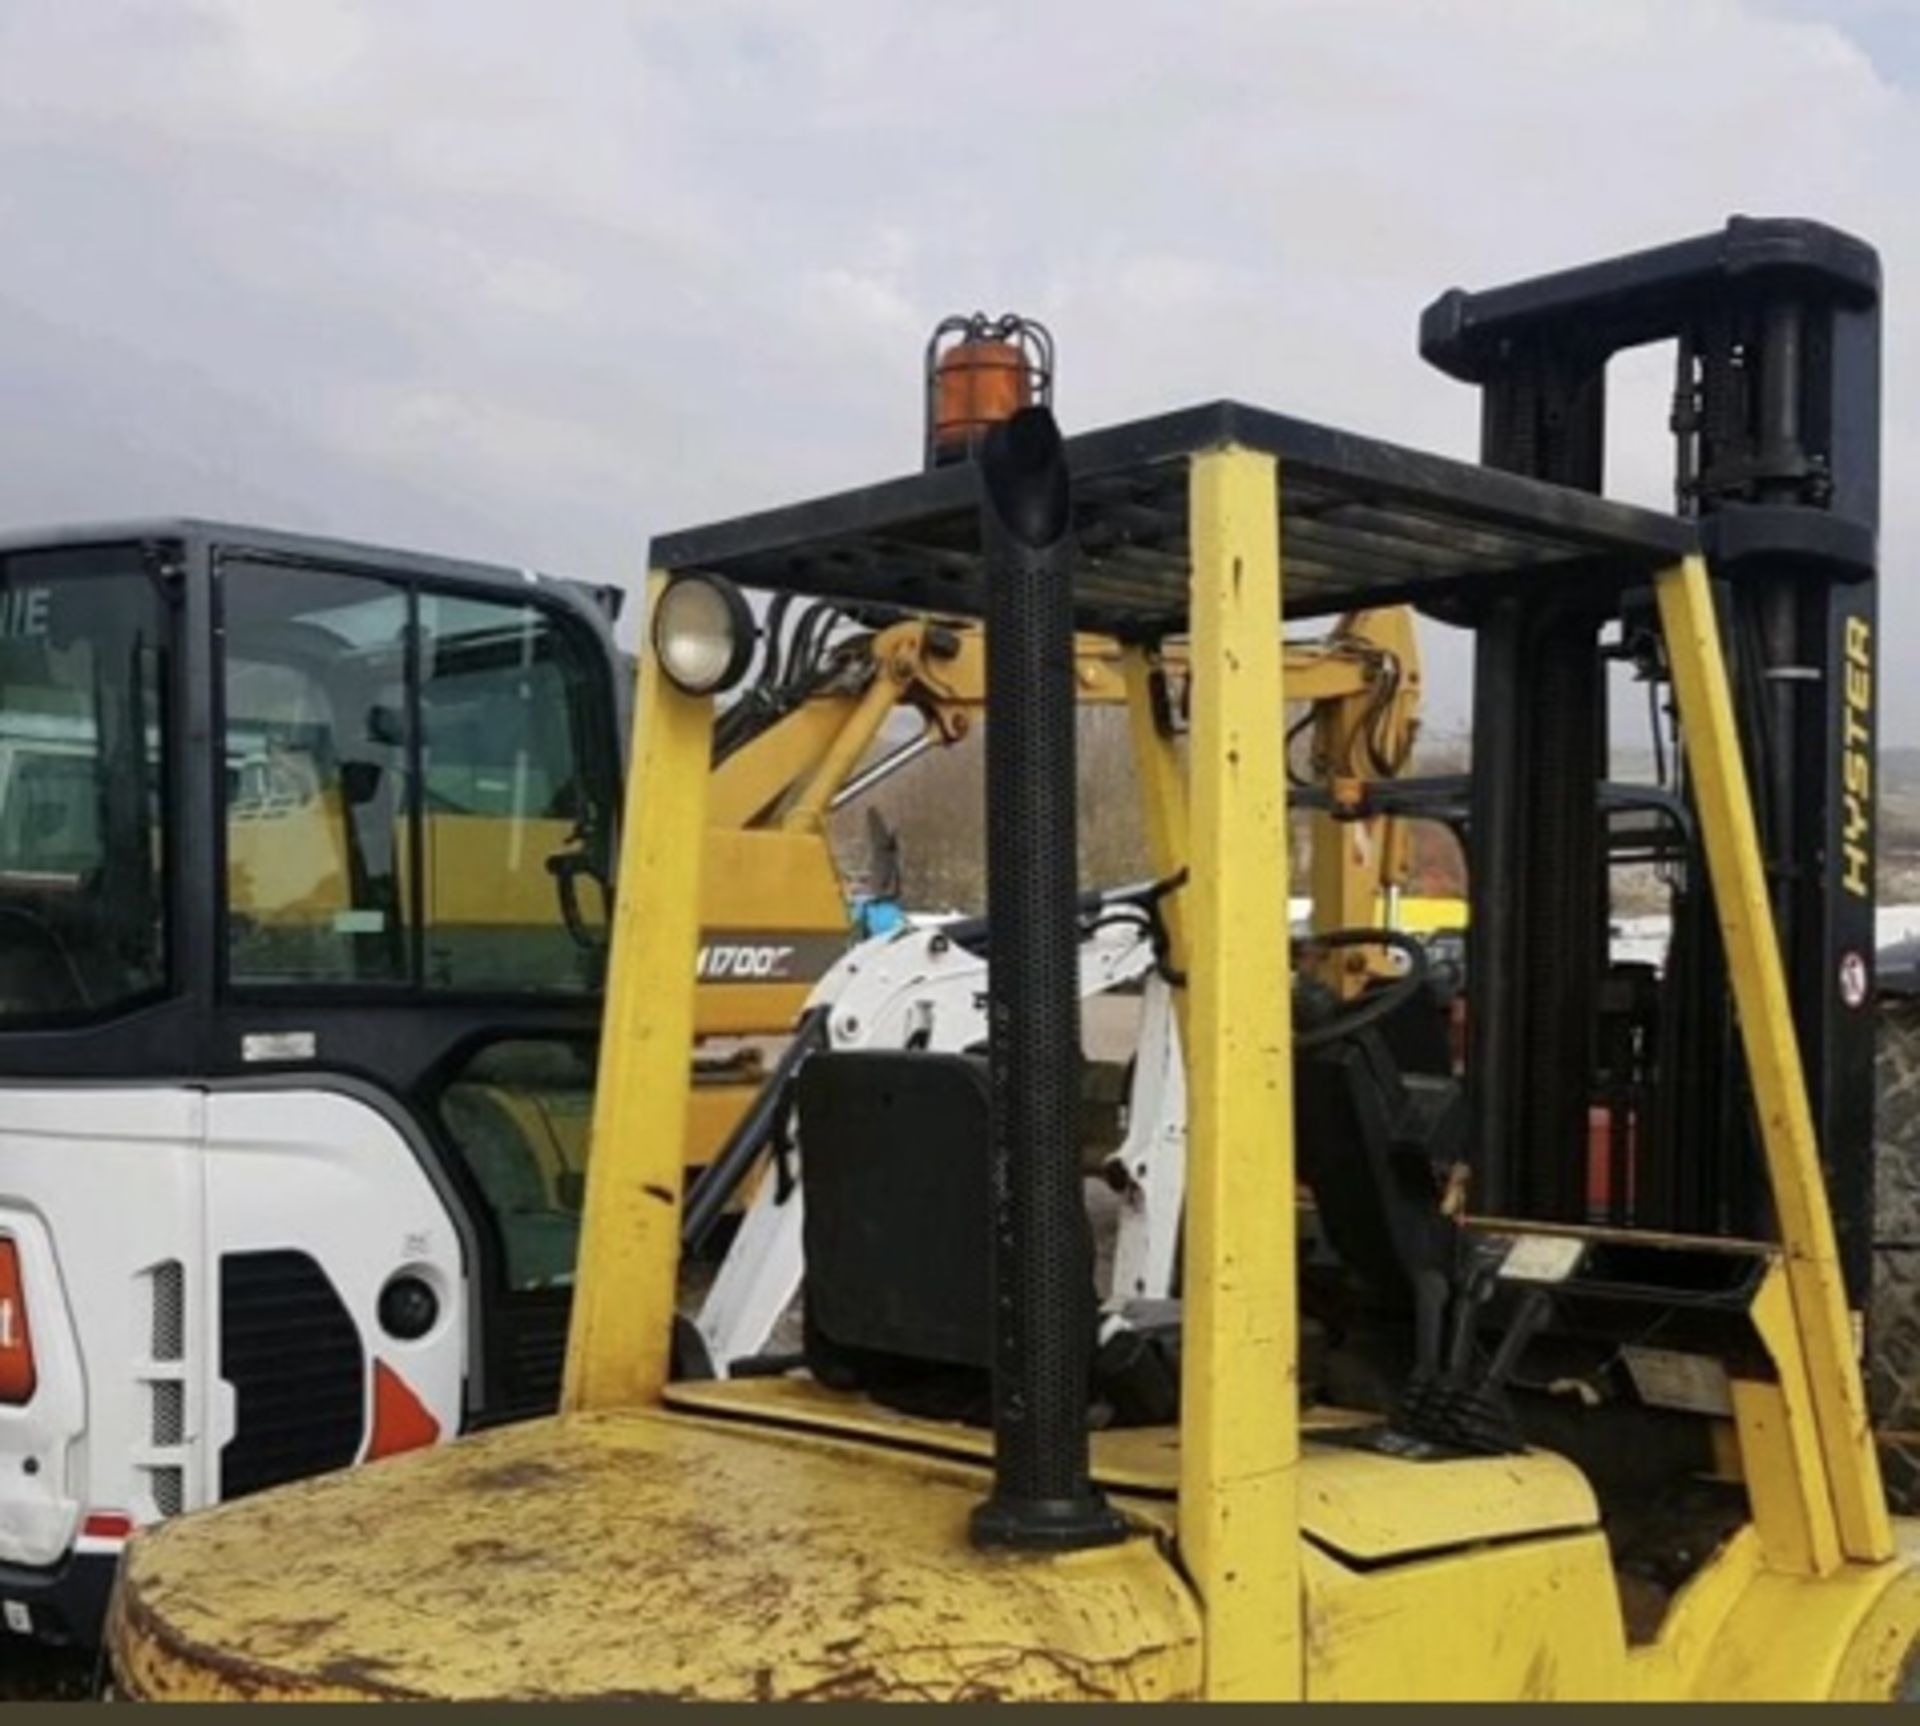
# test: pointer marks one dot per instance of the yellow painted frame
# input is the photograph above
(1779, 1444)
(1845, 1441)
(1163, 803)
(623, 1305)
(1355, 865)
(808, 812)
(1239, 1517)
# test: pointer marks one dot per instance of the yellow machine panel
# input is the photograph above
(1541, 1617)
(773, 919)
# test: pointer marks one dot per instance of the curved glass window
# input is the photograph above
(419, 787)
(85, 646)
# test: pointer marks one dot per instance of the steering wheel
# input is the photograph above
(1349, 1018)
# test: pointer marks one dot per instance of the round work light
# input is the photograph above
(703, 633)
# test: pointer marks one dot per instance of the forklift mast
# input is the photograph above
(1776, 326)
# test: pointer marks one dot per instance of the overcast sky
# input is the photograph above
(529, 282)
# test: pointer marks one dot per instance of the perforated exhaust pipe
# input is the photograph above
(1042, 1254)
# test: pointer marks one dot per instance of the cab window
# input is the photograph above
(85, 657)
(418, 788)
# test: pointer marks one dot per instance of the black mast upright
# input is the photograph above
(1777, 452)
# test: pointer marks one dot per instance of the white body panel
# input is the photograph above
(101, 1186)
(123, 1201)
(1152, 1158)
(328, 1175)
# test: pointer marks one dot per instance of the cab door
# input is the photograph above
(421, 779)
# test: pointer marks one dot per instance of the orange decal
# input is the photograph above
(401, 1421)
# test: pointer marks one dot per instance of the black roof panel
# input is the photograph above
(276, 545)
(1365, 523)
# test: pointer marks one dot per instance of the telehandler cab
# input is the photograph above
(1423, 1431)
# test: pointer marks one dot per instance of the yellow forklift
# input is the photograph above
(1430, 1418)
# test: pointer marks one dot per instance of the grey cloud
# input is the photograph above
(530, 282)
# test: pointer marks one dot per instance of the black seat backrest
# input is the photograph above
(1374, 1145)
(894, 1149)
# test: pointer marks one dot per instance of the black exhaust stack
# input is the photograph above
(1042, 1256)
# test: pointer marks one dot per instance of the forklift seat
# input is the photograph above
(897, 1219)
(1375, 1146)
(896, 1237)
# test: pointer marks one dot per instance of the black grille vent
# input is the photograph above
(289, 1348)
(537, 1350)
(169, 1423)
(169, 1490)
(169, 1311)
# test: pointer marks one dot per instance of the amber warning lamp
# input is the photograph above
(981, 371)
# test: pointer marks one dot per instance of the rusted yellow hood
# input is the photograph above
(638, 1555)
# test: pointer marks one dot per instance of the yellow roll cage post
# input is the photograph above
(1239, 1511)
(818, 1535)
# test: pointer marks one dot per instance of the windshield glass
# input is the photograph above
(419, 787)
(84, 646)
